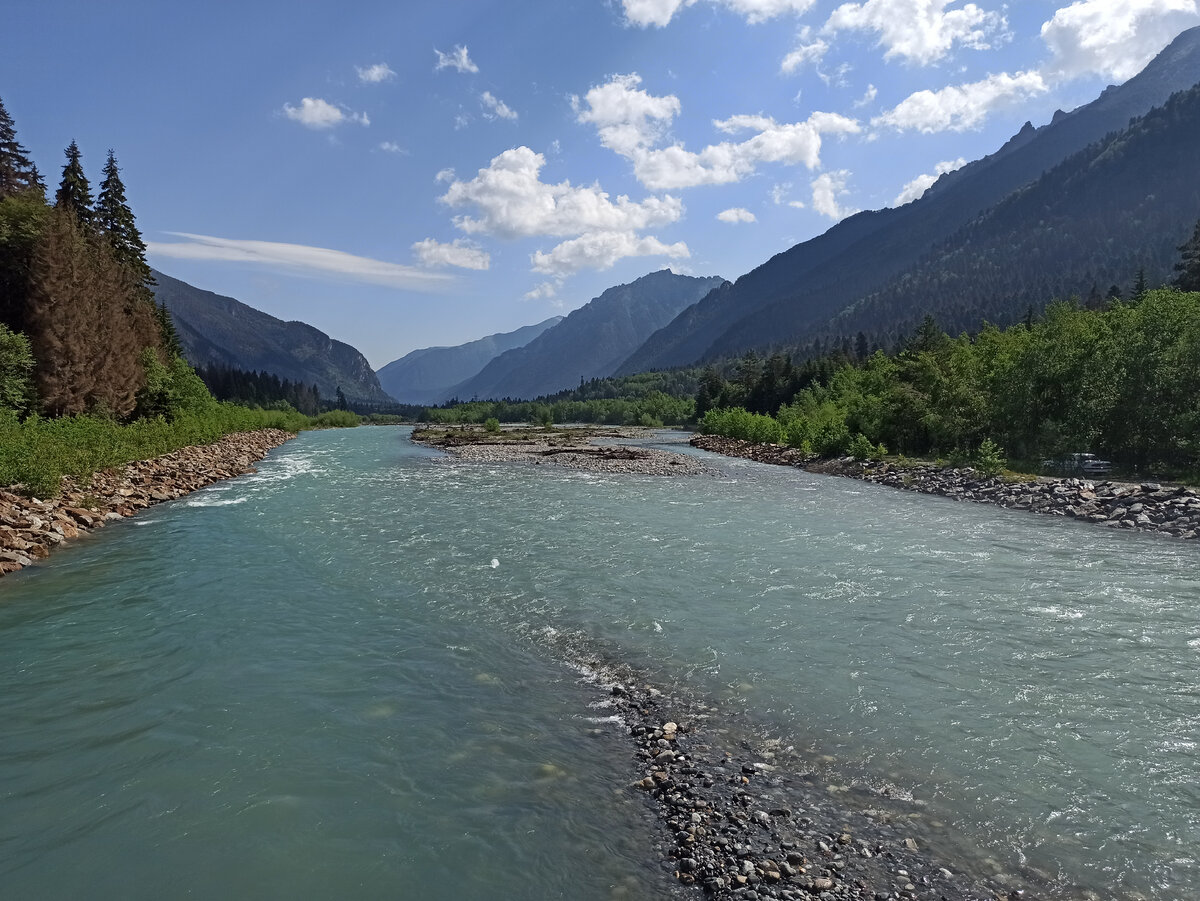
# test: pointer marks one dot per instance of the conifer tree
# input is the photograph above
(1188, 266)
(74, 192)
(17, 171)
(115, 220)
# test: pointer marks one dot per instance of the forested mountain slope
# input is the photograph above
(592, 341)
(791, 297)
(1121, 206)
(217, 330)
(429, 375)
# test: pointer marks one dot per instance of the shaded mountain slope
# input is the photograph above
(220, 330)
(1122, 205)
(799, 290)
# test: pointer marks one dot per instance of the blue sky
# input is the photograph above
(410, 174)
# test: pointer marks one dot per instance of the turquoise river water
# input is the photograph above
(350, 675)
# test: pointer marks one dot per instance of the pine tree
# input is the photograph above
(74, 192)
(1140, 287)
(17, 171)
(1188, 266)
(115, 219)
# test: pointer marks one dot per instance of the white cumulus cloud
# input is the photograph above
(313, 112)
(920, 31)
(960, 107)
(456, 59)
(625, 116)
(826, 189)
(459, 252)
(1113, 38)
(600, 250)
(298, 259)
(660, 12)
(495, 108)
(511, 201)
(543, 291)
(736, 214)
(631, 122)
(922, 183)
(375, 74)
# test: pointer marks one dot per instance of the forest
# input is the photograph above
(1123, 382)
(91, 371)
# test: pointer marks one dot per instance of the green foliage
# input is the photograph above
(1122, 383)
(738, 423)
(74, 193)
(492, 425)
(861, 448)
(989, 458)
(37, 453)
(16, 372)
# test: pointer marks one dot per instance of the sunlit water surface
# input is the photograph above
(314, 681)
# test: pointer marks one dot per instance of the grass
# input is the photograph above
(37, 453)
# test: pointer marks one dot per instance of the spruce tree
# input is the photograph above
(1188, 266)
(115, 220)
(74, 192)
(17, 172)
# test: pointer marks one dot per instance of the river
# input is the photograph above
(353, 675)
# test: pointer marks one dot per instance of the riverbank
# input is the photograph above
(572, 448)
(748, 819)
(31, 528)
(1146, 507)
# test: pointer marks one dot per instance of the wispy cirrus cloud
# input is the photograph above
(298, 259)
(495, 108)
(457, 59)
(375, 74)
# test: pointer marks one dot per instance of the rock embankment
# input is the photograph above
(31, 528)
(1148, 507)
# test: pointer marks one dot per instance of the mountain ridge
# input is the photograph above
(215, 329)
(802, 288)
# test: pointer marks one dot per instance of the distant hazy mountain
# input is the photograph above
(220, 330)
(794, 295)
(592, 341)
(430, 375)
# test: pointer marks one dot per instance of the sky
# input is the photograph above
(404, 174)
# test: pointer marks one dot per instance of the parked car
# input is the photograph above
(1079, 464)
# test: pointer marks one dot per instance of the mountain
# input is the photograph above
(1121, 206)
(792, 295)
(220, 330)
(592, 341)
(429, 375)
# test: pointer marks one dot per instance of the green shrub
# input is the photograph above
(861, 448)
(492, 425)
(990, 459)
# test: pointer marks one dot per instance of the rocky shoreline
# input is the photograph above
(745, 823)
(1146, 507)
(568, 448)
(30, 528)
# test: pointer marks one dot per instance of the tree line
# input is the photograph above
(1123, 382)
(79, 329)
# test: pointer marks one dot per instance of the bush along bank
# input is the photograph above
(1148, 507)
(31, 528)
